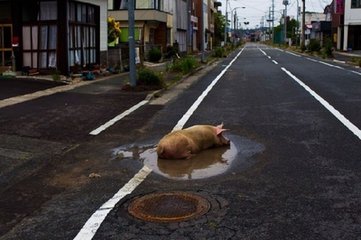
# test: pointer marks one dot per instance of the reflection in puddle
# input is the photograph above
(205, 164)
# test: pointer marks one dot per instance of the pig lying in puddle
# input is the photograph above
(187, 142)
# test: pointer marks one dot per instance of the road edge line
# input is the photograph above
(353, 128)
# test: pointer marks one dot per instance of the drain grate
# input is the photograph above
(169, 207)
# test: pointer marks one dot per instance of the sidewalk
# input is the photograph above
(346, 57)
(25, 89)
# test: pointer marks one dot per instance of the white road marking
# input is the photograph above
(264, 53)
(311, 59)
(294, 54)
(195, 105)
(330, 65)
(90, 228)
(355, 130)
(117, 118)
(358, 73)
(92, 225)
(275, 62)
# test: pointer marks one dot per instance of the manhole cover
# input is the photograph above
(169, 207)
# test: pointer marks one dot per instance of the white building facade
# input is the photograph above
(352, 25)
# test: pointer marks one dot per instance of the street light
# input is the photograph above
(225, 27)
(234, 17)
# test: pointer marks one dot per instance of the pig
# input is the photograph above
(184, 143)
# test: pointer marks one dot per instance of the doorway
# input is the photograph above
(5, 46)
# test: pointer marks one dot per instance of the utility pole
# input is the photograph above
(225, 26)
(273, 21)
(285, 2)
(303, 25)
(203, 32)
(298, 24)
(132, 70)
(189, 27)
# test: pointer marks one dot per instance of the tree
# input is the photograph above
(219, 25)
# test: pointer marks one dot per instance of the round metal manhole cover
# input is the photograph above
(169, 207)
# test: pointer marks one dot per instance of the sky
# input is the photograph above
(255, 9)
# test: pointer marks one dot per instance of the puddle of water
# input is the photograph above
(208, 163)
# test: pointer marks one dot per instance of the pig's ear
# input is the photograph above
(220, 126)
(220, 130)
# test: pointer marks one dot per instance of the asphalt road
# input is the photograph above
(292, 171)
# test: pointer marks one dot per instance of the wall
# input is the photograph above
(352, 15)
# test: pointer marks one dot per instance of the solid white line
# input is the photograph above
(355, 130)
(356, 72)
(331, 65)
(294, 54)
(92, 225)
(117, 118)
(196, 104)
(275, 62)
(313, 60)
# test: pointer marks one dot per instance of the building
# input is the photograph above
(206, 25)
(352, 25)
(346, 24)
(153, 22)
(53, 34)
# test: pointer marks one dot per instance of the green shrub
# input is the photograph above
(154, 55)
(185, 65)
(327, 48)
(149, 77)
(219, 52)
(314, 45)
(356, 60)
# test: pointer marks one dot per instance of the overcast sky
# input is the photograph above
(255, 9)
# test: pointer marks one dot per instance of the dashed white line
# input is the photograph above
(275, 62)
(117, 118)
(90, 228)
(264, 53)
(355, 130)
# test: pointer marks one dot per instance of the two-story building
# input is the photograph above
(162, 23)
(352, 25)
(153, 21)
(53, 34)
(346, 24)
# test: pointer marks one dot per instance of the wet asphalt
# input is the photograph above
(295, 174)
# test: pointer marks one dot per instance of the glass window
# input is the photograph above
(82, 36)
(120, 4)
(27, 37)
(144, 4)
(356, 4)
(44, 37)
